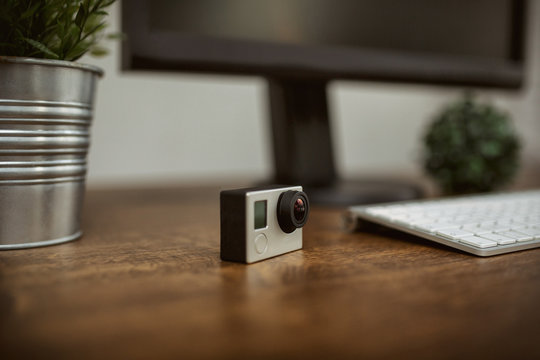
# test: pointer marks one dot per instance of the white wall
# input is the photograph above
(170, 127)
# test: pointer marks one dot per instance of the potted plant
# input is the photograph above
(46, 104)
(471, 147)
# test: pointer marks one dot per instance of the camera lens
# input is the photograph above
(299, 209)
(292, 210)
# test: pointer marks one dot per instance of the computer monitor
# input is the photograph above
(301, 45)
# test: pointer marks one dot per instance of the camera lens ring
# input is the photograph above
(292, 210)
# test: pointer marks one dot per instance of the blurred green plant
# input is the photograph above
(52, 29)
(471, 147)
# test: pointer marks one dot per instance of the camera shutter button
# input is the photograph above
(261, 243)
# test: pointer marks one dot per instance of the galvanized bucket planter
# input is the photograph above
(45, 115)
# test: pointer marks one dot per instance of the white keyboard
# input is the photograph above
(483, 225)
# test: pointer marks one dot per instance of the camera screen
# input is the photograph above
(260, 214)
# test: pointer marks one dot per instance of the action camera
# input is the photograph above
(262, 222)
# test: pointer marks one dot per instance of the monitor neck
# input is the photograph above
(302, 141)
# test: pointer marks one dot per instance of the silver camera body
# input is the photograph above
(262, 222)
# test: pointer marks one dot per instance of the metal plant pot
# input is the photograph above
(45, 115)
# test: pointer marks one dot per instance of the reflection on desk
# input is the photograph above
(145, 281)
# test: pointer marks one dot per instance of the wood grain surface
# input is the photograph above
(146, 282)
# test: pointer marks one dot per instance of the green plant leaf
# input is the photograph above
(95, 29)
(81, 16)
(116, 36)
(99, 51)
(107, 3)
(42, 47)
(30, 12)
(57, 29)
(96, 5)
(71, 40)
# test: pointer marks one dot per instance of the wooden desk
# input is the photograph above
(146, 281)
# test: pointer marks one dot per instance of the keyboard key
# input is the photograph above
(534, 232)
(518, 224)
(454, 234)
(500, 239)
(476, 230)
(422, 220)
(434, 227)
(478, 241)
(506, 223)
(497, 227)
(518, 236)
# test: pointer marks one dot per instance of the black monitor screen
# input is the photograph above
(301, 45)
(452, 42)
(475, 28)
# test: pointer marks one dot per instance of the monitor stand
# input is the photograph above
(303, 152)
